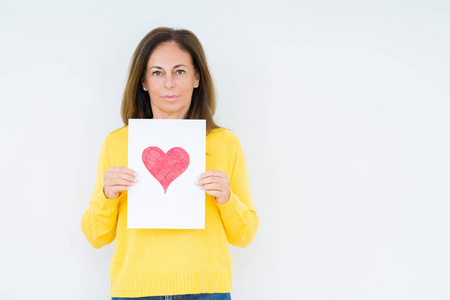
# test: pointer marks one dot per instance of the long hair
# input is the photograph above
(136, 102)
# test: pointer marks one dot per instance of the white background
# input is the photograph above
(341, 106)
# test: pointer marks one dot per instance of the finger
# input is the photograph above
(128, 171)
(119, 189)
(214, 175)
(119, 182)
(125, 176)
(118, 172)
(216, 194)
(213, 187)
(211, 173)
(221, 180)
(114, 192)
(123, 169)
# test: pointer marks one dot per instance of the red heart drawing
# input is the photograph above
(165, 167)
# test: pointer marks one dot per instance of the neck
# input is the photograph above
(165, 115)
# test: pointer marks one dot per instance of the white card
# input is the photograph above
(168, 155)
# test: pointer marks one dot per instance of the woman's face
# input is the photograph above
(170, 78)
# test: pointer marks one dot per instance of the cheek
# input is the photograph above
(154, 86)
(187, 87)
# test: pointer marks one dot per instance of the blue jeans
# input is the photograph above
(216, 296)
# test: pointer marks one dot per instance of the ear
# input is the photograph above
(197, 78)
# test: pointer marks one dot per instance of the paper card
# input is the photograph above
(168, 156)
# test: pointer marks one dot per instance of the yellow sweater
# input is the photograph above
(153, 262)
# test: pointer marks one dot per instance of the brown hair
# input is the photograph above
(136, 102)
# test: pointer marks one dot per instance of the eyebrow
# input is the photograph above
(157, 67)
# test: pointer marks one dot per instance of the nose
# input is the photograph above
(169, 83)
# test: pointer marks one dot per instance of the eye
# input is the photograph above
(157, 73)
(179, 72)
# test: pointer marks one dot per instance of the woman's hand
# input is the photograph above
(216, 184)
(117, 180)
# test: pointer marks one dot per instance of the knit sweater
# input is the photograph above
(153, 262)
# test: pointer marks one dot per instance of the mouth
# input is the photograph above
(170, 97)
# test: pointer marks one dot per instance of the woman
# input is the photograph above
(169, 79)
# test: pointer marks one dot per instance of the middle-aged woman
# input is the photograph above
(169, 79)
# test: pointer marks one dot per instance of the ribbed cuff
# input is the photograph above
(231, 206)
(103, 203)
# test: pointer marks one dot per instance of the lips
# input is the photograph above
(170, 97)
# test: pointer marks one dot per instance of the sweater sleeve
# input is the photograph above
(99, 221)
(238, 214)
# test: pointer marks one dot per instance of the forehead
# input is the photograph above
(169, 54)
